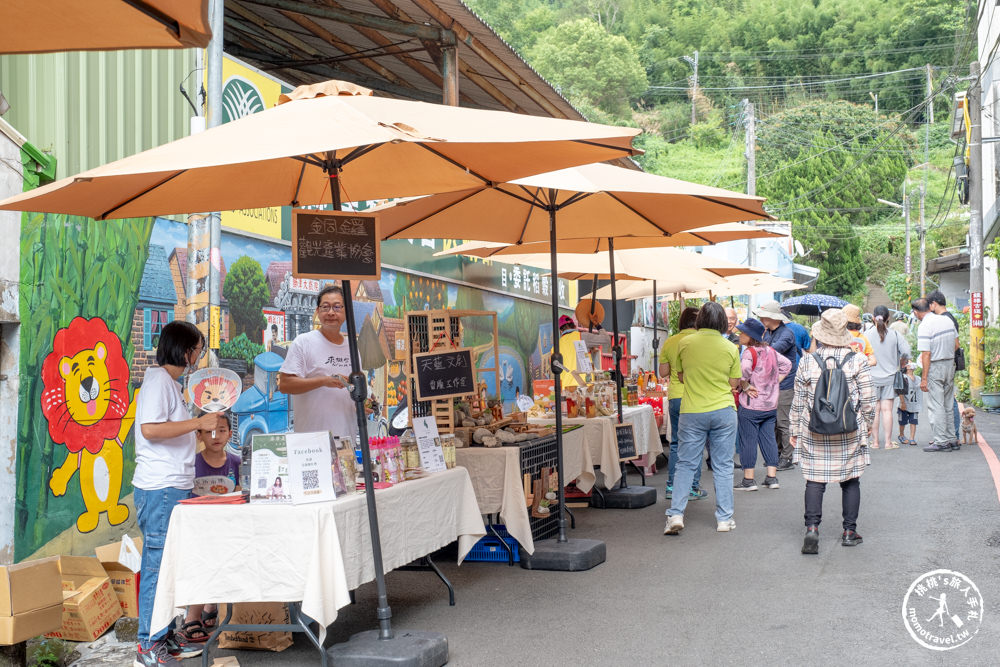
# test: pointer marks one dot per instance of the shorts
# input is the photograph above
(884, 392)
(907, 417)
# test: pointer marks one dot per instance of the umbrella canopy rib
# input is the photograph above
(444, 157)
(732, 206)
(126, 202)
(155, 14)
(640, 215)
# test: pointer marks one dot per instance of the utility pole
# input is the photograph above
(922, 236)
(750, 123)
(930, 94)
(909, 260)
(922, 232)
(693, 62)
(976, 350)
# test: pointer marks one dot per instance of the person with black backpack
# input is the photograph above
(833, 410)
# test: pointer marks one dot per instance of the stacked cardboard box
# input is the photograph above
(89, 605)
(30, 600)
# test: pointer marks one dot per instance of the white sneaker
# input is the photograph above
(726, 526)
(675, 524)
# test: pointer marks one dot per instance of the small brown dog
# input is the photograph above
(970, 435)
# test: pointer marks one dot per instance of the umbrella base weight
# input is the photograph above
(407, 648)
(569, 556)
(629, 498)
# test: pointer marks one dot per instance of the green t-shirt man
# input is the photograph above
(708, 361)
(668, 355)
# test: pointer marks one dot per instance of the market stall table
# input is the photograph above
(598, 433)
(496, 477)
(312, 553)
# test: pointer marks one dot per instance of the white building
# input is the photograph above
(989, 173)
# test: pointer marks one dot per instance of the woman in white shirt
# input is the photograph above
(165, 444)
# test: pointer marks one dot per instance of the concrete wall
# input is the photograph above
(11, 182)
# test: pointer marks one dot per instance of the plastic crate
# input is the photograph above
(489, 550)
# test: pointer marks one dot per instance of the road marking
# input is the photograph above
(989, 455)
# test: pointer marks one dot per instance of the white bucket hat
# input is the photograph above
(772, 311)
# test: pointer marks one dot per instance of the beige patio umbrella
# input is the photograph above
(749, 283)
(375, 148)
(45, 26)
(330, 149)
(596, 201)
(701, 236)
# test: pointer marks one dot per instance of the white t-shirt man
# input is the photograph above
(936, 334)
(169, 462)
(324, 408)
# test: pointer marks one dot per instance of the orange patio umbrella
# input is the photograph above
(45, 26)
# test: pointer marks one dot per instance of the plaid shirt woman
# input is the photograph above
(832, 458)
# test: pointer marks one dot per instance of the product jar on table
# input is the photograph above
(411, 454)
(448, 449)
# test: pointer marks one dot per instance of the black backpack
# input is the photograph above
(832, 411)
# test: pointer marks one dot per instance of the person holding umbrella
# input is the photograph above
(782, 339)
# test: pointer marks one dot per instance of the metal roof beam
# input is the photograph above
(341, 15)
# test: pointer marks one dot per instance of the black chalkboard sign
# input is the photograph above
(625, 434)
(329, 244)
(444, 373)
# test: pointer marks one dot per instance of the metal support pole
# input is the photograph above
(359, 390)
(656, 334)
(217, 21)
(616, 348)
(556, 364)
(751, 156)
(977, 375)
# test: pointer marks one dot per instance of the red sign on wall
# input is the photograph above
(976, 310)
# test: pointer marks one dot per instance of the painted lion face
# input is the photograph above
(85, 381)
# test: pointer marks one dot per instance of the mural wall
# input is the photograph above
(96, 296)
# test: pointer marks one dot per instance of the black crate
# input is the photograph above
(535, 455)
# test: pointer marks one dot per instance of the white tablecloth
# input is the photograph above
(310, 553)
(599, 435)
(496, 478)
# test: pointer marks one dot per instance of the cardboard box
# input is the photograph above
(20, 627)
(123, 579)
(89, 605)
(30, 599)
(30, 585)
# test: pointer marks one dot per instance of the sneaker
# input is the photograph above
(810, 545)
(697, 494)
(956, 446)
(771, 483)
(670, 492)
(181, 648)
(938, 448)
(155, 656)
(746, 485)
(725, 526)
(675, 524)
(850, 539)
(785, 464)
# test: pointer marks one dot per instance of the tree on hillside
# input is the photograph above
(585, 61)
(822, 165)
(246, 290)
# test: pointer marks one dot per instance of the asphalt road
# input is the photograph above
(748, 597)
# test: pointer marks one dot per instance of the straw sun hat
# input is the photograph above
(852, 313)
(772, 311)
(831, 328)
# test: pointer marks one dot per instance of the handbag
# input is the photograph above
(959, 359)
(900, 385)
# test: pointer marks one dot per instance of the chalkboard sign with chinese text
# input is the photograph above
(444, 373)
(625, 434)
(329, 244)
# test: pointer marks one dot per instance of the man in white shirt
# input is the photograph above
(316, 372)
(936, 342)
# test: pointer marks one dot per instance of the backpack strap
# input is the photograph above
(753, 354)
(844, 360)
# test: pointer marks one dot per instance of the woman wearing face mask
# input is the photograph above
(165, 444)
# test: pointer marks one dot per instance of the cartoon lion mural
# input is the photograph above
(85, 400)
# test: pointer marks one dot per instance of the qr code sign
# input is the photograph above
(310, 480)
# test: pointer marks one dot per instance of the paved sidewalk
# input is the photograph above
(743, 598)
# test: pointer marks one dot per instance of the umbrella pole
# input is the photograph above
(359, 391)
(656, 334)
(593, 303)
(560, 554)
(557, 371)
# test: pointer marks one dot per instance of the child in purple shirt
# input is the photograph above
(216, 469)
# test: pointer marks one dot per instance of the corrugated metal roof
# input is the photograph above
(302, 48)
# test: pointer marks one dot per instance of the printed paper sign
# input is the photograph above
(429, 444)
(310, 467)
(583, 363)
